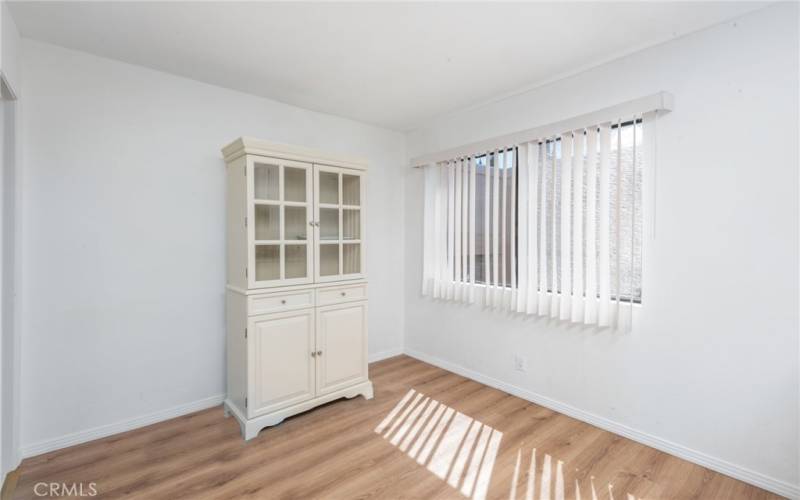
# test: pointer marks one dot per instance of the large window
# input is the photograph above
(551, 226)
(549, 235)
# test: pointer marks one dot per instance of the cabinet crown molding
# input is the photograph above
(251, 146)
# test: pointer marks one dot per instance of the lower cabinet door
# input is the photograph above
(341, 346)
(280, 364)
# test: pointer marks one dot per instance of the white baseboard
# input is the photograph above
(735, 471)
(389, 353)
(743, 474)
(159, 416)
(115, 428)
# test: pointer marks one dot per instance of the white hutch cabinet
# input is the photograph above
(297, 290)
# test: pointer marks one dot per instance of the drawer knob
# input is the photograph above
(344, 293)
(283, 301)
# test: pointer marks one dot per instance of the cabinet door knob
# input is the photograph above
(319, 353)
(313, 354)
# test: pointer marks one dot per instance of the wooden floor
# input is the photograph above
(427, 434)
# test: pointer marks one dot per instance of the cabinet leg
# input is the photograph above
(368, 393)
(362, 390)
(249, 432)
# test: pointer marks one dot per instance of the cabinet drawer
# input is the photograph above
(339, 294)
(262, 304)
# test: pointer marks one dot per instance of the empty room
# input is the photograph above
(400, 250)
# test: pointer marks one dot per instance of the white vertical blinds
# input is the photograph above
(550, 227)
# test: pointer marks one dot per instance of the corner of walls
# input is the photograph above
(10, 453)
(404, 235)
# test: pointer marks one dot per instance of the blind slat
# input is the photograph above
(450, 230)
(465, 225)
(441, 232)
(532, 303)
(503, 218)
(577, 226)
(554, 303)
(472, 228)
(633, 232)
(495, 227)
(564, 254)
(512, 245)
(458, 232)
(486, 233)
(590, 309)
(523, 248)
(618, 228)
(544, 297)
(604, 265)
(428, 222)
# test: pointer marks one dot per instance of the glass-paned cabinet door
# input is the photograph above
(339, 215)
(279, 222)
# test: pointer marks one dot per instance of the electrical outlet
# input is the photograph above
(520, 363)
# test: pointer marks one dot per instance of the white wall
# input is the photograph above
(9, 333)
(124, 244)
(10, 344)
(713, 364)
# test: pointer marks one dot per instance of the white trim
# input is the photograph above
(118, 427)
(735, 471)
(258, 147)
(134, 423)
(381, 355)
(661, 101)
(716, 464)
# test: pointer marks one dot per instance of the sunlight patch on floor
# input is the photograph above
(455, 447)
(462, 451)
(551, 483)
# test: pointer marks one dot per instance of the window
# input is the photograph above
(556, 220)
(548, 183)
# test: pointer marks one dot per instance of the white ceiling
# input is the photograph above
(390, 64)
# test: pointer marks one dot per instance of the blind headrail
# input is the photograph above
(661, 101)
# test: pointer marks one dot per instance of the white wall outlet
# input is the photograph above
(520, 363)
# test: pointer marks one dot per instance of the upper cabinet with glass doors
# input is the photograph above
(281, 209)
(339, 223)
(302, 216)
